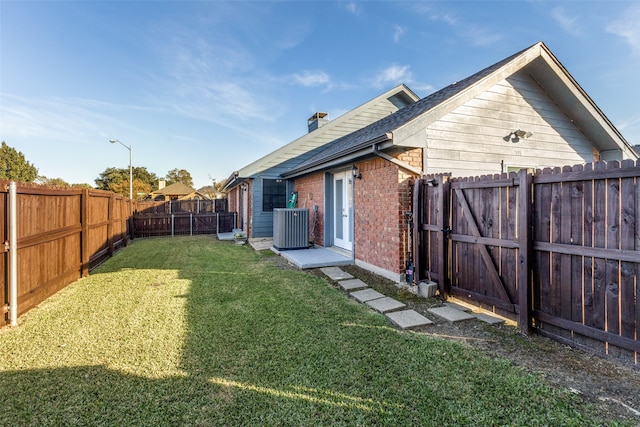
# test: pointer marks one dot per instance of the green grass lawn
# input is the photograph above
(194, 331)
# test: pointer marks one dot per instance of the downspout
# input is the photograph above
(404, 165)
(13, 254)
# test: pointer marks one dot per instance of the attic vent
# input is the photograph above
(317, 120)
(400, 100)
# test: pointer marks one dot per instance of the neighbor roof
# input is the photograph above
(177, 188)
(549, 73)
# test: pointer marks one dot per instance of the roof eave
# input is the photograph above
(341, 158)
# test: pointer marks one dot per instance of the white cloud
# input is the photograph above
(309, 78)
(394, 74)
(627, 27)
(354, 8)
(476, 35)
(570, 24)
(398, 32)
(54, 118)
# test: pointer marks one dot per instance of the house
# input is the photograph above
(256, 189)
(525, 111)
(176, 191)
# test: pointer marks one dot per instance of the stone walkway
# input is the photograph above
(396, 311)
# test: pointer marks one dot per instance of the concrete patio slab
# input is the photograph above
(229, 235)
(315, 258)
(366, 295)
(451, 314)
(335, 273)
(352, 284)
(407, 319)
(385, 304)
(487, 318)
(261, 244)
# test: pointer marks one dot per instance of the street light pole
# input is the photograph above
(113, 141)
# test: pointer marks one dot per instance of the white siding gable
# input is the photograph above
(470, 140)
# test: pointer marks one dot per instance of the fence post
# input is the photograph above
(524, 240)
(443, 235)
(415, 249)
(84, 237)
(112, 197)
(172, 223)
(13, 254)
(190, 224)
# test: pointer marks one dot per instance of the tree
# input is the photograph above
(215, 190)
(179, 175)
(56, 182)
(14, 166)
(117, 180)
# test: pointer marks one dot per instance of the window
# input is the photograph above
(274, 194)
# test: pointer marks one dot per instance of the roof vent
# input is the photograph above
(317, 120)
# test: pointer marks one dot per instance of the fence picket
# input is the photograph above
(585, 251)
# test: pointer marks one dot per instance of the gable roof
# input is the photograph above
(347, 122)
(176, 189)
(539, 62)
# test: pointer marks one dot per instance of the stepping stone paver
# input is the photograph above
(487, 318)
(457, 306)
(406, 319)
(336, 273)
(451, 314)
(366, 295)
(352, 284)
(385, 304)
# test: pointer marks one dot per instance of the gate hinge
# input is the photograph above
(7, 246)
(5, 308)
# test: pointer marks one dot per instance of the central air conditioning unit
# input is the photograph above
(291, 228)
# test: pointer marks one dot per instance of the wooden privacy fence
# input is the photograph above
(180, 206)
(558, 250)
(60, 234)
(182, 217)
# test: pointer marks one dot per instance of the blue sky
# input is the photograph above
(210, 86)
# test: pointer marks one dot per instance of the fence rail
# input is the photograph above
(62, 233)
(182, 224)
(558, 249)
(196, 206)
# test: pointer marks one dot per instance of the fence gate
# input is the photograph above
(472, 237)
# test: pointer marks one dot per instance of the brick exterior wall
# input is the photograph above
(234, 197)
(311, 192)
(381, 199)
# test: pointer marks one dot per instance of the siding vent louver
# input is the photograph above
(291, 228)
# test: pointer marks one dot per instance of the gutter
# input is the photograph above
(232, 179)
(370, 147)
(339, 158)
(404, 165)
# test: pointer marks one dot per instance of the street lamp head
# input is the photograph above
(113, 141)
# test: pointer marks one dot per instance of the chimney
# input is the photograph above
(317, 120)
(161, 184)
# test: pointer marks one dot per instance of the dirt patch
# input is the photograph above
(611, 386)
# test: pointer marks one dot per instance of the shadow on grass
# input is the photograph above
(265, 346)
